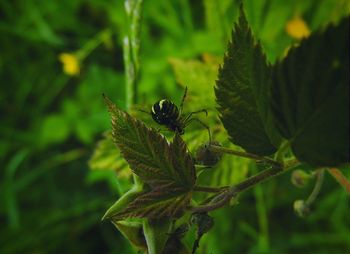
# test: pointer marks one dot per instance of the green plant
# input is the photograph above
(276, 113)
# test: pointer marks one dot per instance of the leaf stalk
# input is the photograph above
(219, 149)
(223, 198)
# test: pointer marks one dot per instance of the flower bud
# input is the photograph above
(300, 178)
(301, 208)
(204, 156)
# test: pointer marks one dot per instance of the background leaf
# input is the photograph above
(106, 157)
(311, 96)
(244, 71)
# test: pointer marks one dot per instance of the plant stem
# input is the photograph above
(219, 149)
(258, 178)
(317, 188)
(131, 53)
(223, 198)
(342, 180)
(209, 189)
(282, 150)
(131, 49)
(92, 44)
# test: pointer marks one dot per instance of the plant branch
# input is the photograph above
(93, 43)
(209, 189)
(341, 179)
(219, 149)
(317, 188)
(223, 198)
(131, 49)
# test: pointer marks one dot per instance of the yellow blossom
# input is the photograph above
(70, 63)
(297, 28)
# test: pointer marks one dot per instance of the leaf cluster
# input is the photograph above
(303, 98)
(298, 104)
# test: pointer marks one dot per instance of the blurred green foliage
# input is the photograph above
(50, 121)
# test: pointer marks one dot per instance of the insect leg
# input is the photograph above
(144, 111)
(163, 130)
(195, 112)
(183, 99)
(203, 124)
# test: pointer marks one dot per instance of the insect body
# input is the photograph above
(166, 113)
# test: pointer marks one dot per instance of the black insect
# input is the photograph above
(166, 113)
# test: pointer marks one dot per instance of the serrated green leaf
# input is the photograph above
(165, 202)
(149, 154)
(168, 169)
(310, 97)
(242, 92)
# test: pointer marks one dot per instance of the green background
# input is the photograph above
(51, 202)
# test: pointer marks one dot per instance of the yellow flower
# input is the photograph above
(297, 28)
(70, 63)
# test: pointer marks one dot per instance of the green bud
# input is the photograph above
(206, 157)
(203, 221)
(301, 208)
(300, 178)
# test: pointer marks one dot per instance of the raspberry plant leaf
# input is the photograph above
(242, 93)
(163, 202)
(310, 97)
(167, 169)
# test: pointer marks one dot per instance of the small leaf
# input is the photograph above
(167, 201)
(310, 97)
(123, 201)
(242, 93)
(204, 223)
(133, 231)
(168, 169)
(156, 234)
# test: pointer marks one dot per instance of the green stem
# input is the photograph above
(258, 178)
(209, 189)
(131, 49)
(131, 53)
(282, 150)
(219, 149)
(262, 214)
(317, 188)
(339, 176)
(223, 198)
(92, 44)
